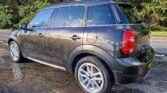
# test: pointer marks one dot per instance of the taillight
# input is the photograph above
(128, 42)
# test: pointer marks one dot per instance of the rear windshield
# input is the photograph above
(130, 13)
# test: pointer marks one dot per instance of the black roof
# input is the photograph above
(85, 3)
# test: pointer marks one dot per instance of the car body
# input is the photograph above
(60, 35)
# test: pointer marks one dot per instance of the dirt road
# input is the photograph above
(31, 77)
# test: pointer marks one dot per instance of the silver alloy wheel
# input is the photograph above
(90, 77)
(14, 51)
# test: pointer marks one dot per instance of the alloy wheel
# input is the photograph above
(14, 51)
(90, 77)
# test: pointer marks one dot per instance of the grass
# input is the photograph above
(5, 30)
(159, 33)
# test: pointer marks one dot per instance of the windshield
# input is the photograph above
(130, 13)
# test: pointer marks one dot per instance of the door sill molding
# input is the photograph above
(48, 64)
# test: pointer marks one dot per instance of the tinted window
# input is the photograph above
(41, 20)
(130, 13)
(100, 15)
(70, 17)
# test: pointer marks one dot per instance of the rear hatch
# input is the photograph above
(142, 49)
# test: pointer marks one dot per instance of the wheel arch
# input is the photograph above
(12, 38)
(89, 50)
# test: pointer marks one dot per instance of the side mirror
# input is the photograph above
(24, 26)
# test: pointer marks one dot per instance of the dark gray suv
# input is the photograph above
(101, 42)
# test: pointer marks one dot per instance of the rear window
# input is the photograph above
(100, 15)
(130, 13)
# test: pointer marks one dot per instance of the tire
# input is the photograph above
(97, 82)
(15, 52)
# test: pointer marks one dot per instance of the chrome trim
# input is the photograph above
(111, 25)
(45, 63)
(96, 25)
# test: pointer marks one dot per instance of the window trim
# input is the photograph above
(55, 14)
(110, 25)
(116, 14)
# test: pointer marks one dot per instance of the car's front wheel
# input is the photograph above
(93, 76)
(15, 52)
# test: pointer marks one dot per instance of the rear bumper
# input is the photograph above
(131, 72)
(126, 79)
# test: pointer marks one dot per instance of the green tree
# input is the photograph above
(5, 16)
(15, 12)
(29, 8)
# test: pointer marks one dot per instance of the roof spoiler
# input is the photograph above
(130, 5)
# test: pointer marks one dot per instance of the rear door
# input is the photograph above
(65, 34)
(101, 29)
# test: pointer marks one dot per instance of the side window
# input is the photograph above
(100, 15)
(70, 17)
(41, 20)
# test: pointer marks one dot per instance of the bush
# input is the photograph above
(15, 12)
(158, 28)
(5, 16)
(29, 9)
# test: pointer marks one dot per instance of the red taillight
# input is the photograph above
(128, 42)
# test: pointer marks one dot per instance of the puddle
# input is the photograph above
(31, 77)
(16, 72)
(4, 89)
(127, 90)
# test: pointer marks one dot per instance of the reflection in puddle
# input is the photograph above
(16, 72)
(2, 61)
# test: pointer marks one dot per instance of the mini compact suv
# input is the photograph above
(101, 42)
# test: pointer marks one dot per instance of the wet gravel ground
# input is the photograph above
(31, 77)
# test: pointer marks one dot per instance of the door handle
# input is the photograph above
(75, 37)
(40, 35)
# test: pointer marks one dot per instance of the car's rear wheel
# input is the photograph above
(93, 76)
(15, 52)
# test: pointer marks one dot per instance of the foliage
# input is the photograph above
(15, 12)
(156, 14)
(153, 11)
(29, 8)
(5, 16)
(158, 28)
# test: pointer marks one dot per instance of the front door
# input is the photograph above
(34, 39)
(66, 33)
